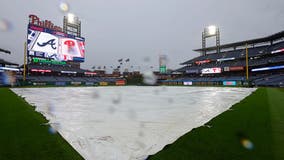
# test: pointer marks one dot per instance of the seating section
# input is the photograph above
(56, 68)
(259, 57)
(272, 80)
(71, 79)
(56, 75)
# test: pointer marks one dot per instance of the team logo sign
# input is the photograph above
(50, 42)
(45, 43)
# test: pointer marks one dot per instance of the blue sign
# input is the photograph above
(229, 83)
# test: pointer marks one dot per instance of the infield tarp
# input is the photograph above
(128, 123)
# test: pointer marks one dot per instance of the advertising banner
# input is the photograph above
(226, 59)
(202, 62)
(90, 73)
(76, 83)
(211, 70)
(229, 83)
(192, 71)
(120, 82)
(41, 70)
(60, 83)
(239, 68)
(89, 83)
(235, 68)
(103, 83)
(188, 83)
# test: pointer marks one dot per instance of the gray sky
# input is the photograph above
(144, 29)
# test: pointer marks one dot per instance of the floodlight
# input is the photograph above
(211, 30)
(71, 18)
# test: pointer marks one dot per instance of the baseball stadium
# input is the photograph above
(224, 103)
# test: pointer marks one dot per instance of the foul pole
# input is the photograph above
(247, 74)
(25, 60)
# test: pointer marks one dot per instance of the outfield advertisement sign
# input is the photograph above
(235, 68)
(211, 70)
(229, 83)
(46, 61)
(41, 70)
(120, 82)
(68, 72)
(187, 83)
(192, 71)
(76, 83)
(89, 83)
(60, 83)
(39, 84)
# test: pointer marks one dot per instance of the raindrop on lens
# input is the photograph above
(146, 59)
(50, 109)
(140, 144)
(156, 91)
(141, 134)
(142, 125)
(96, 95)
(111, 109)
(149, 78)
(246, 143)
(170, 100)
(51, 130)
(64, 7)
(5, 25)
(116, 99)
(132, 114)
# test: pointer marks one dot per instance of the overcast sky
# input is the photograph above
(144, 29)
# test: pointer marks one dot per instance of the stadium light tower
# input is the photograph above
(72, 25)
(208, 32)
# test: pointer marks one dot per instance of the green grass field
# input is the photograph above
(22, 135)
(252, 130)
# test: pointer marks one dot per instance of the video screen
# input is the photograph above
(56, 46)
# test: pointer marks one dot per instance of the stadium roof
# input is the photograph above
(271, 38)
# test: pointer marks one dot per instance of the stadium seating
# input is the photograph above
(259, 56)
(272, 80)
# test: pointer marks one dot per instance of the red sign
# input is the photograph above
(120, 82)
(90, 73)
(40, 70)
(239, 68)
(34, 20)
(202, 62)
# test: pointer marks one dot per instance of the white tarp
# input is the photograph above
(128, 123)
